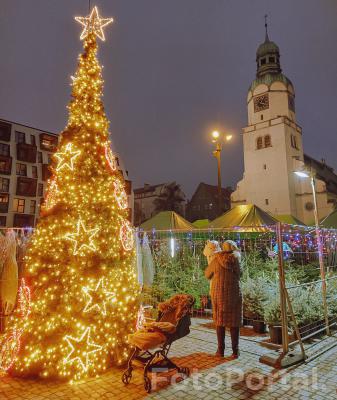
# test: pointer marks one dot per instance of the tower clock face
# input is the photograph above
(261, 103)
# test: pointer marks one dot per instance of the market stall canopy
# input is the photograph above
(288, 219)
(245, 218)
(330, 221)
(167, 220)
(201, 224)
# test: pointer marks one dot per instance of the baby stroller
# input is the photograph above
(153, 342)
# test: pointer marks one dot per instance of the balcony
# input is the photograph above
(26, 186)
(5, 165)
(5, 131)
(26, 152)
(23, 220)
(46, 172)
(48, 142)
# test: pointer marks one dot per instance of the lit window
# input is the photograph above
(259, 143)
(19, 205)
(267, 141)
(21, 169)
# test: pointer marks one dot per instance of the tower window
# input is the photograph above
(293, 141)
(263, 61)
(267, 141)
(259, 143)
(271, 59)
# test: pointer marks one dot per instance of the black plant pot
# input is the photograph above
(275, 332)
(259, 327)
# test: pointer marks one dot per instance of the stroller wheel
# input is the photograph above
(184, 371)
(126, 377)
(147, 384)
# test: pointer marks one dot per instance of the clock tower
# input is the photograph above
(272, 141)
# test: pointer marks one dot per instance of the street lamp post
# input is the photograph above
(216, 138)
(310, 174)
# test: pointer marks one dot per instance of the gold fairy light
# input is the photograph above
(93, 23)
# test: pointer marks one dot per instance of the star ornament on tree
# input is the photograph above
(67, 157)
(80, 349)
(93, 23)
(98, 297)
(82, 238)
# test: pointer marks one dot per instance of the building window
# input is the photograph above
(4, 185)
(4, 199)
(34, 172)
(267, 141)
(32, 207)
(4, 149)
(261, 117)
(19, 205)
(21, 169)
(20, 137)
(264, 166)
(259, 143)
(32, 140)
(293, 142)
(267, 202)
(39, 157)
(271, 59)
(40, 190)
(5, 131)
(2, 220)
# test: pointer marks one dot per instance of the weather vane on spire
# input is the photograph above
(266, 26)
(93, 23)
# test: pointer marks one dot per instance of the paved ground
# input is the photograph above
(211, 378)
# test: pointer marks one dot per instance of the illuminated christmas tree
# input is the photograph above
(80, 262)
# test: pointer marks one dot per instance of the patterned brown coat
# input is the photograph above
(226, 295)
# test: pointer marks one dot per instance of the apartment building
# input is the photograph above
(25, 154)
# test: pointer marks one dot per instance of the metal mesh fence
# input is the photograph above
(172, 262)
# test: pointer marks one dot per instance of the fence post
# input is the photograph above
(283, 300)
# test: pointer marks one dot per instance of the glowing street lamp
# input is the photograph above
(304, 173)
(218, 139)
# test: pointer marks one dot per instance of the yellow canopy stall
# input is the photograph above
(167, 220)
(246, 218)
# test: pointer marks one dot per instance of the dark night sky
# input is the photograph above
(173, 70)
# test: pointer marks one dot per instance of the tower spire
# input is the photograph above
(266, 27)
